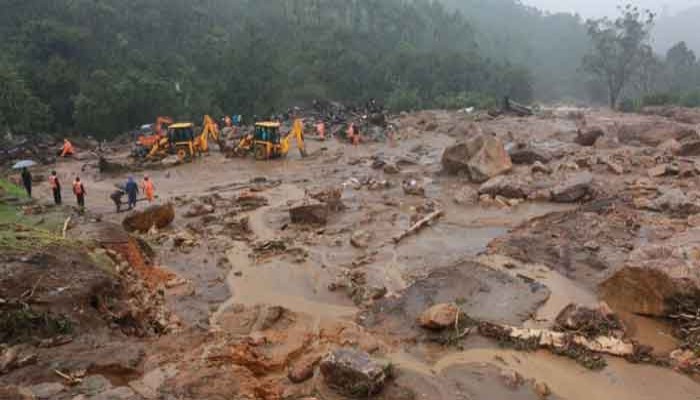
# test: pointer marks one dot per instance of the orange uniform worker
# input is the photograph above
(79, 192)
(353, 134)
(148, 189)
(67, 149)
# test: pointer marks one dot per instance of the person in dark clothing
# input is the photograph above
(79, 191)
(55, 187)
(132, 191)
(27, 181)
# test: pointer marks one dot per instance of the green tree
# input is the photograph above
(20, 110)
(618, 48)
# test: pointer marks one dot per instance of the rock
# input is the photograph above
(465, 196)
(589, 137)
(95, 384)
(512, 379)
(506, 186)
(199, 209)
(671, 145)
(573, 189)
(675, 202)
(15, 393)
(542, 390)
(658, 171)
(353, 373)
(47, 390)
(441, 316)
(529, 156)
(538, 167)
(361, 239)
(689, 148)
(391, 169)
(653, 133)
(615, 167)
(303, 369)
(413, 188)
(120, 393)
(159, 216)
(481, 158)
(589, 322)
(653, 276)
(311, 212)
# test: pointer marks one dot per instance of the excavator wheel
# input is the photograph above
(181, 155)
(261, 152)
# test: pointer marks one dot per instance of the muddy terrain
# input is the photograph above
(464, 257)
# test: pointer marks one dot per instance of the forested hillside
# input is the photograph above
(103, 66)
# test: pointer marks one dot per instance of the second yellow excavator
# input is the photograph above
(210, 130)
(267, 142)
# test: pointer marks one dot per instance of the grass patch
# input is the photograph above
(10, 189)
(20, 323)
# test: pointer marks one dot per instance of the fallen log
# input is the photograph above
(561, 341)
(419, 225)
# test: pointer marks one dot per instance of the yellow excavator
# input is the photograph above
(182, 140)
(267, 142)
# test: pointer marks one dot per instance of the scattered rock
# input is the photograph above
(303, 369)
(512, 379)
(615, 167)
(466, 196)
(481, 158)
(671, 145)
(391, 169)
(589, 322)
(47, 390)
(689, 148)
(311, 212)
(441, 316)
(661, 170)
(529, 156)
(675, 202)
(510, 187)
(353, 373)
(361, 239)
(199, 209)
(159, 216)
(542, 390)
(589, 137)
(120, 393)
(573, 189)
(413, 188)
(538, 167)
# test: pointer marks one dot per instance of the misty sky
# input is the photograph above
(597, 8)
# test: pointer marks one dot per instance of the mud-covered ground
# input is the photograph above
(234, 301)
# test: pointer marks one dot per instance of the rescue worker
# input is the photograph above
(132, 191)
(148, 189)
(55, 188)
(353, 134)
(27, 181)
(79, 191)
(67, 149)
(321, 129)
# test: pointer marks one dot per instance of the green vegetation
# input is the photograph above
(20, 323)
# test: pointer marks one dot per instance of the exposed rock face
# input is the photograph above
(353, 373)
(311, 212)
(480, 158)
(159, 216)
(653, 276)
(441, 316)
(573, 189)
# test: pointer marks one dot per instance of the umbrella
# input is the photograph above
(23, 164)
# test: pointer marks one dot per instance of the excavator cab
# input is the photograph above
(181, 138)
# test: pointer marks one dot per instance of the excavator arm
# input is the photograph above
(210, 130)
(298, 134)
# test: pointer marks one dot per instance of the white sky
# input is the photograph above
(598, 8)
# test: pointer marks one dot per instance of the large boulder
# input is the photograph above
(675, 202)
(354, 373)
(441, 316)
(654, 276)
(159, 216)
(589, 137)
(689, 148)
(309, 211)
(573, 189)
(480, 158)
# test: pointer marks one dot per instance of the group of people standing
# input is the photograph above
(130, 188)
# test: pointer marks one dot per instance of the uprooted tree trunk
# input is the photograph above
(574, 345)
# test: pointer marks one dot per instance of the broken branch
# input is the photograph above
(419, 225)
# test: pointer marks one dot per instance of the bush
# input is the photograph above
(660, 99)
(404, 99)
(628, 105)
(691, 99)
